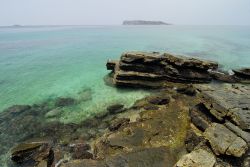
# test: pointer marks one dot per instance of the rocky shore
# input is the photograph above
(196, 116)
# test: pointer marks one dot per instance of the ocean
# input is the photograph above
(40, 64)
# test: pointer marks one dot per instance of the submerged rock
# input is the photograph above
(53, 113)
(85, 94)
(62, 102)
(17, 109)
(116, 108)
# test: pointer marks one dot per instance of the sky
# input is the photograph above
(113, 12)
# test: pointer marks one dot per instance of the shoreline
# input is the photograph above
(178, 118)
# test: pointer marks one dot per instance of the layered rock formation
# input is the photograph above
(144, 69)
(154, 69)
(222, 119)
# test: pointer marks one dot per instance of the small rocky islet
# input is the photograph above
(197, 116)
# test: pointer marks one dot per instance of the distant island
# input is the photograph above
(143, 22)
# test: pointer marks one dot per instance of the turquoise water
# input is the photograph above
(41, 63)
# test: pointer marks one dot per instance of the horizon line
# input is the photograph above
(64, 25)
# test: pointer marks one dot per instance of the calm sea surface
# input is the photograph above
(41, 63)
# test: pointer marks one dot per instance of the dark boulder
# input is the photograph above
(192, 140)
(159, 100)
(117, 123)
(80, 150)
(31, 151)
(150, 107)
(243, 73)
(111, 65)
(188, 90)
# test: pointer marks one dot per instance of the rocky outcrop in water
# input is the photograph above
(154, 69)
(143, 22)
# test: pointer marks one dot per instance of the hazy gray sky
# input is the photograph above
(92, 12)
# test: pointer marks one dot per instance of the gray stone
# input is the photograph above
(224, 141)
(197, 158)
(243, 134)
(228, 101)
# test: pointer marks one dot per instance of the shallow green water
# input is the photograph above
(40, 63)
